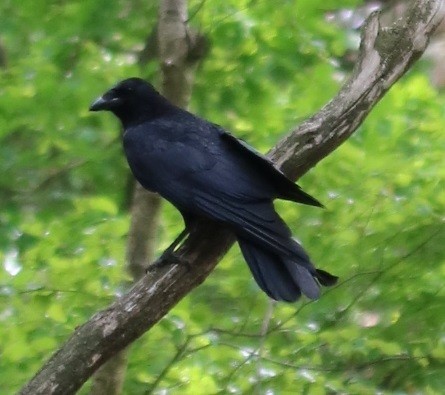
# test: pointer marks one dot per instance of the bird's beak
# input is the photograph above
(99, 104)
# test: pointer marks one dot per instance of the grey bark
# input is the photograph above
(386, 53)
(109, 379)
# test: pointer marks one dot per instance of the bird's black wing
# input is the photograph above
(286, 189)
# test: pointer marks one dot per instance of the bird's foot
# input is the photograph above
(168, 258)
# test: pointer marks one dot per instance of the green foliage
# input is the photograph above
(63, 222)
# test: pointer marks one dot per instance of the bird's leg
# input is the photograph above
(169, 256)
(170, 251)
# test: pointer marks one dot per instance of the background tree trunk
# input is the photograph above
(172, 48)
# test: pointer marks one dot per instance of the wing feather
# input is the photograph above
(286, 188)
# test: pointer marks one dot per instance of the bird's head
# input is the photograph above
(132, 100)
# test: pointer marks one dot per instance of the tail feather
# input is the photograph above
(304, 278)
(282, 278)
(269, 273)
(325, 278)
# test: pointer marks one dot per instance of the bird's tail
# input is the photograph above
(284, 278)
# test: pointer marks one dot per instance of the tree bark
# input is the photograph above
(109, 379)
(386, 53)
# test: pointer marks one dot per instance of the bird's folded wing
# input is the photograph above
(286, 188)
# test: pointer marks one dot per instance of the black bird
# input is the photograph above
(205, 172)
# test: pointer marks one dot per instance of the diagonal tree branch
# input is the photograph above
(386, 53)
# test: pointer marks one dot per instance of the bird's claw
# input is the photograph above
(168, 258)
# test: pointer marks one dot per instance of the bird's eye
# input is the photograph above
(121, 90)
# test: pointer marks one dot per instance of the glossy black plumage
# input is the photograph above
(206, 172)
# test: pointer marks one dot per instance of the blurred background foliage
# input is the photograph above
(64, 199)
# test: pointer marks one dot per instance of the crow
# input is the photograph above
(206, 172)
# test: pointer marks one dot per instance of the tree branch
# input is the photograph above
(385, 55)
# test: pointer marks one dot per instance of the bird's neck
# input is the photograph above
(136, 116)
